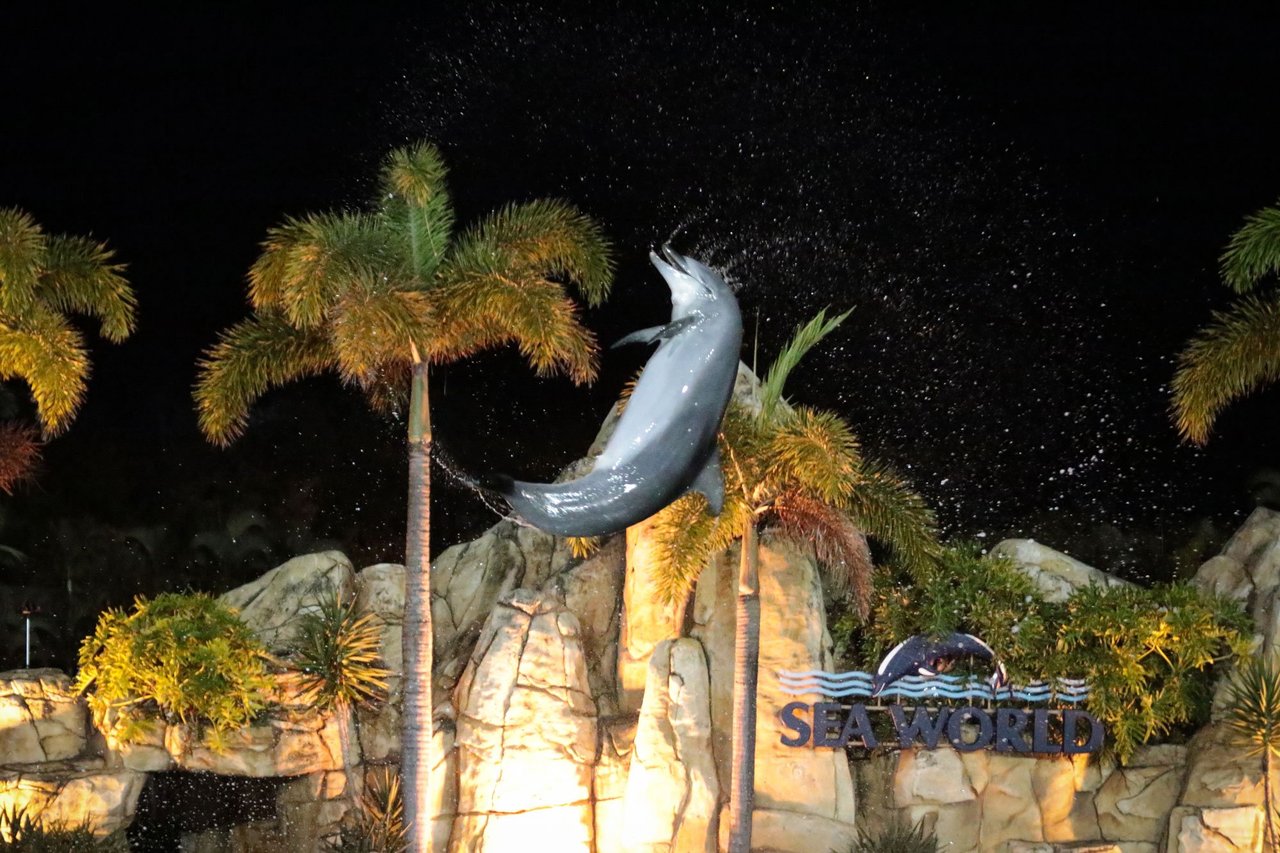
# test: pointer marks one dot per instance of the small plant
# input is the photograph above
(185, 658)
(897, 837)
(1146, 652)
(338, 654)
(376, 824)
(20, 831)
(1253, 716)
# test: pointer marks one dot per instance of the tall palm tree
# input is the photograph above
(1240, 350)
(800, 470)
(378, 296)
(43, 279)
(1253, 719)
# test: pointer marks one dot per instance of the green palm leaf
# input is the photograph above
(815, 451)
(1237, 353)
(544, 238)
(22, 251)
(885, 507)
(805, 339)
(1253, 252)
(252, 357)
(80, 277)
(308, 262)
(369, 331)
(417, 206)
(48, 353)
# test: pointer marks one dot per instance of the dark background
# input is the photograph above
(1023, 202)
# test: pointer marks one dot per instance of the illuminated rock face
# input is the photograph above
(272, 604)
(73, 792)
(526, 732)
(41, 719)
(672, 796)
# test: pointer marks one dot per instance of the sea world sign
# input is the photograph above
(933, 708)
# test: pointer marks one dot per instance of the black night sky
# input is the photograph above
(1023, 202)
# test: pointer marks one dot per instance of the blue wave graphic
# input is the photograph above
(844, 684)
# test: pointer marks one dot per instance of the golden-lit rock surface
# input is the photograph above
(41, 718)
(526, 731)
(271, 604)
(672, 799)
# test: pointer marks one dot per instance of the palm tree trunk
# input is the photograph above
(415, 730)
(746, 660)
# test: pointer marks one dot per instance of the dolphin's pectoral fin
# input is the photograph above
(653, 334)
(710, 483)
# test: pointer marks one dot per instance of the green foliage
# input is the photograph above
(187, 658)
(364, 294)
(43, 278)
(897, 837)
(802, 472)
(337, 651)
(1146, 653)
(1253, 716)
(376, 824)
(806, 338)
(1253, 705)
(1239, 351)
(21, 832)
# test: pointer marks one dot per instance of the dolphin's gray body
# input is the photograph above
(665, 442)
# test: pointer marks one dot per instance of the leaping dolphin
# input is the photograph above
(665, 442)
(928, 656)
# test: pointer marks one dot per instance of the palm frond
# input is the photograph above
(1238, 352)
(22, 252)
(805, 338)
(308, 263)
(81, 277)
(19, 454)
(1253, 252)
(250, 358)
(840, 547)
(482, 311)
(1253, 705)
(416, 203)
(43, 349)
(369, 331)
(687, 537)
(815, 450)
(884, 507)
(546, 238)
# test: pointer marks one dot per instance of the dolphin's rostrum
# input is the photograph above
(665, 441)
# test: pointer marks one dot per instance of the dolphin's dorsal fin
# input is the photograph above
(655, 333)
(710, 482)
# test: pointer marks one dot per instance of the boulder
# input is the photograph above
(672, 792)
(41, 717)
(609, 782)
(1134, 803)
(793, 618)
(1215, 830)
(592, 591)
(1009, 809)
(272, 604)
(526, 731)
(1054, 573)
(74, 792)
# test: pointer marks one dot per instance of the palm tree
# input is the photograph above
(378, 296)
(1240, 350)
(44, 278)
(802, 471)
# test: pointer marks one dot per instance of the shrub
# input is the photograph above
(185, 658)
(897, 837)
(1146, 652)
(337, 651)
(376, 824)
(21, 832)
(1253, 717)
